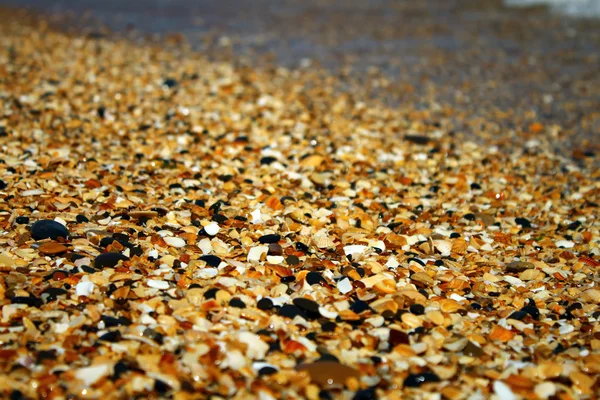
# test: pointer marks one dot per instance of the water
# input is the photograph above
(571, 8)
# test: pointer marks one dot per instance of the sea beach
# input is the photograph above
(313, 199)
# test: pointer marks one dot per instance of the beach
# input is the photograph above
(193, 209)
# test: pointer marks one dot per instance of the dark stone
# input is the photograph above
(328, 326)
(88, 269)
(302, 247)
(288, 279)
(170, 83)
(523, 222)
(2, 185)
(398, 337)
(272, 238)
(313, 278)
(211, 260)
(365, 394)
(416, 380)
(518, 315)
(291, 311)
(211, 293)
(53, 293)
(267, 160)
(328, 357)
(22, 220)
(264, 304)
(31, 301)
(48, 229)
(359, 306)
(237, 303)
(469, 217)
(418, 139)
(292, 260)
(45, 355)
(109, 260)
(275, 249)
(267, 371)
(454, 235)
(81, 219)
(307, 304)
(417, 309)
(111, 322)
(220, 218)
(325, 395)
(112, 336)
(161, 387)
(153, 335)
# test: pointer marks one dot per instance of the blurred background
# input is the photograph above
(538, 58)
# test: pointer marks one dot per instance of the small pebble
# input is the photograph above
(48, 229)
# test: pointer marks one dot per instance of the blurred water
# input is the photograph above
(573, 8)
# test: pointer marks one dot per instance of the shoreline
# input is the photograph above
(179, 228)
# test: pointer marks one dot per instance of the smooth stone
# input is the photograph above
(416, 380)
(48, 229)
(271, 238)
(109, 260)
(52, 248)
(211, 260)
(329, 373)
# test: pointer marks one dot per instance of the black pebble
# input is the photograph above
(17, 395)
(112, 336)
(111, 322)
(267, 371)
(109, 260)
(2, 185)
(313, 278)
(292, 260)
(469, 217)
(211, 260)
(45, 355)
(237, 303)
(417, 309)
(31, 301)
(325, 395)
(170, 83)
(161, 387)
(454, 235)
(301, 247)
(288, 279)
(22, 220)
(119, 369)
(307, 304)
(518, 315)
(48, 229)
(265, 304)
(416, 380)
(365, 394)
(328, 326)
(153, 335)
(53, 293)
(359, 306)
(272, 238)
(81, 219)
(211, 293)
(291, 311)
(88, 269)
(267, 160)
(523, 222)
